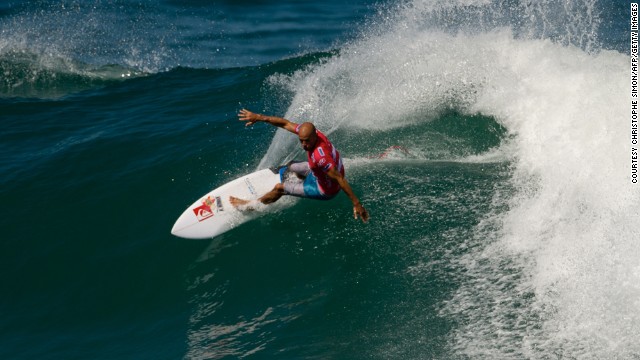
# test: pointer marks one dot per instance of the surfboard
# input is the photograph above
(212, 214)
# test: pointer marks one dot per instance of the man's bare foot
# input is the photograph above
(240, 204)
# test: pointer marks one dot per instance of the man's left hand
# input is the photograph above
(359, 210)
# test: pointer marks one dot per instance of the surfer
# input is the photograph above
(323, 172)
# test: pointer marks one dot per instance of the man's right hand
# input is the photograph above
(248, 116)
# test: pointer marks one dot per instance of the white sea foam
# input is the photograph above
(557, 274)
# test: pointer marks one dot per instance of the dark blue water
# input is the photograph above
(503, 222)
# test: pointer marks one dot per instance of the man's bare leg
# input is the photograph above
(268, 198)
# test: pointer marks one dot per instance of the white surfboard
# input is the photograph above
(213, 214)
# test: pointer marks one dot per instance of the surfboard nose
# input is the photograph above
(174, 229)
(182, 224)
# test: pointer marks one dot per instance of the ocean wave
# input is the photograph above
(563, 235)
(28, 74)
(49, 49)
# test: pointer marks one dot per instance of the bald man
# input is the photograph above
(323, 173)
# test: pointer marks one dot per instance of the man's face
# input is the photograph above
(308, 141)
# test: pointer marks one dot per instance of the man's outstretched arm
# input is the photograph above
(252, 118)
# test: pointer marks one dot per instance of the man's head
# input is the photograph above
(307, 135)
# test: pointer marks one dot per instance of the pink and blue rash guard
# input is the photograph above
(322, 158)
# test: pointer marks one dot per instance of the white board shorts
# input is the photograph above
(308, 188)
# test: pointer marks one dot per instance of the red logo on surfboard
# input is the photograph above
(204, 211)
